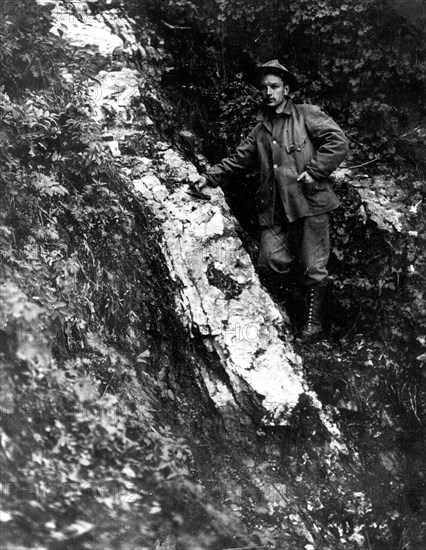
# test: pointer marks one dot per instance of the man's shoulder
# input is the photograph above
(307, 107)
(311, 114)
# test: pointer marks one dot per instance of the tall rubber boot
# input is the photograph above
(312, 330)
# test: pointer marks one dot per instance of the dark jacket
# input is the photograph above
(300, 138)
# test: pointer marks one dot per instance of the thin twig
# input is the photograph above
(352, 327)
(364, 164)
(367, 537)
(109, 383)
(175, 27)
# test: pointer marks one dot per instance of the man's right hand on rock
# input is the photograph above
(198, 181)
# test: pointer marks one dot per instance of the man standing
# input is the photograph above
(296, 147)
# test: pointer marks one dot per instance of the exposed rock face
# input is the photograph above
(109, 31)
(219, 296)
(380, 201)
(383, 202)
(253, 372)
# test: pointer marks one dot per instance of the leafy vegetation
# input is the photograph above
(361, 60)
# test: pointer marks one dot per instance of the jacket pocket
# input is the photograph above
(310, 188)
(296, 145)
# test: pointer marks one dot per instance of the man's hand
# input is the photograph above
(198, 181)
(196, 184)
(304, 176)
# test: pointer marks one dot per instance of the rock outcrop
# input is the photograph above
(219, 296)
(240, 352)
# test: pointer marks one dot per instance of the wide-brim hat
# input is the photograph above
(274, 67)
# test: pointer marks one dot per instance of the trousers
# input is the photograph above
(302, 247)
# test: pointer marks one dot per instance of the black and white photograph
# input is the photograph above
(213, 274)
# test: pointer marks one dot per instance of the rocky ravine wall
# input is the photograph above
(219, 296)
(255, 372)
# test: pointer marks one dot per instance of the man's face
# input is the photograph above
(273, 90)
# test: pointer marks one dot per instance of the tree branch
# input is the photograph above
(364, 164)
(175, 27)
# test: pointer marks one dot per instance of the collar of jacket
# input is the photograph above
(264, 116)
